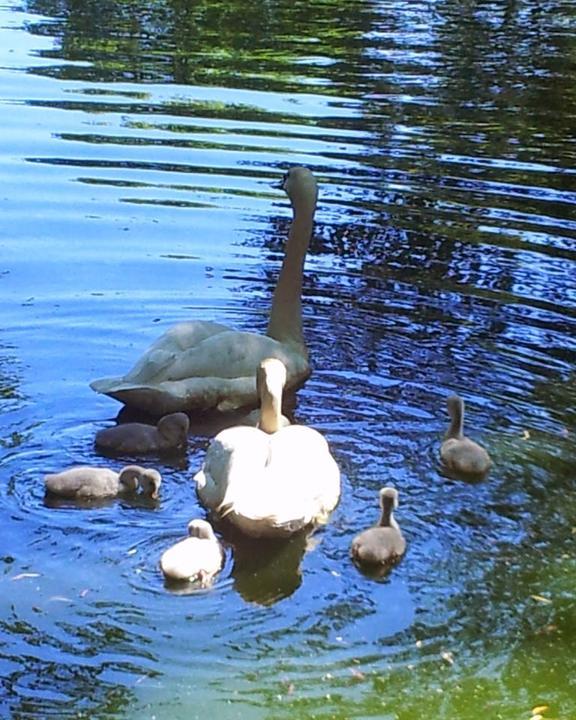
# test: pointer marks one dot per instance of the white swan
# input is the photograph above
(459, 454)
(270, 481)
(202, 366)
(197, 558)
(84, 482)
(384, 543)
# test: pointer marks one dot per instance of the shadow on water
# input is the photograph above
(134, 501)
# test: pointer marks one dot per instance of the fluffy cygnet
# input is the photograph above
(459, 454)
(198, 558)
(85, 482)
(383, 543)
(171, 433)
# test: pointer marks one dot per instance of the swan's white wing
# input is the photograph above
(314, 474)
(234, 461)
(228, 354)
(161, 354)
(191, 394)
(299, 486)
(176, 341)
(219, 372)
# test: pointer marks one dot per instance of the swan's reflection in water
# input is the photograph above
(266, 571)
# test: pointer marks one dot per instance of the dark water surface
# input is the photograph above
(139, 144)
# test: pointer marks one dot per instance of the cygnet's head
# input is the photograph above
(174, 427)
(301, 187)
(388, 497)
(129, 478)
(200, 529)
(455, 404)
(150, 481)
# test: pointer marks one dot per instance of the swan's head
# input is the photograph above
(388, 498)
(301, 187)
(270, 381)
(201, 529)
(129, 478)
(174, 428)
(150, 481)
(271, 377)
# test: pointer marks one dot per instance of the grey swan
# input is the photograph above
(84, 482)
(170, 433)
(204, 366)
(384, 543)
(459, 454)
(198, 558)
(272, 480)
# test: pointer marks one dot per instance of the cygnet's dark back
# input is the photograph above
(459, 454)
(85, 482)
(383, 543)
(171, 433)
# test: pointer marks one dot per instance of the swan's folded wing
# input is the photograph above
(161, 355)
(217, 373)
(233, 464)
(289, 500)
(314, 473)
(191, 394)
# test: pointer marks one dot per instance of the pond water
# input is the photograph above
(139, 149)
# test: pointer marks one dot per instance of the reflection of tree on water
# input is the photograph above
(203, 42)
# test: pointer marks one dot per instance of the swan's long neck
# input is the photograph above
(285, 324)
(270, 387)
(456, 427)
(387, 517)
(270, 414)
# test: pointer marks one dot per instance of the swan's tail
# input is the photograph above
(264, 512)
(108, 385)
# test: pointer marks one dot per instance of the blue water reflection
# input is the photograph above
(139, 147)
